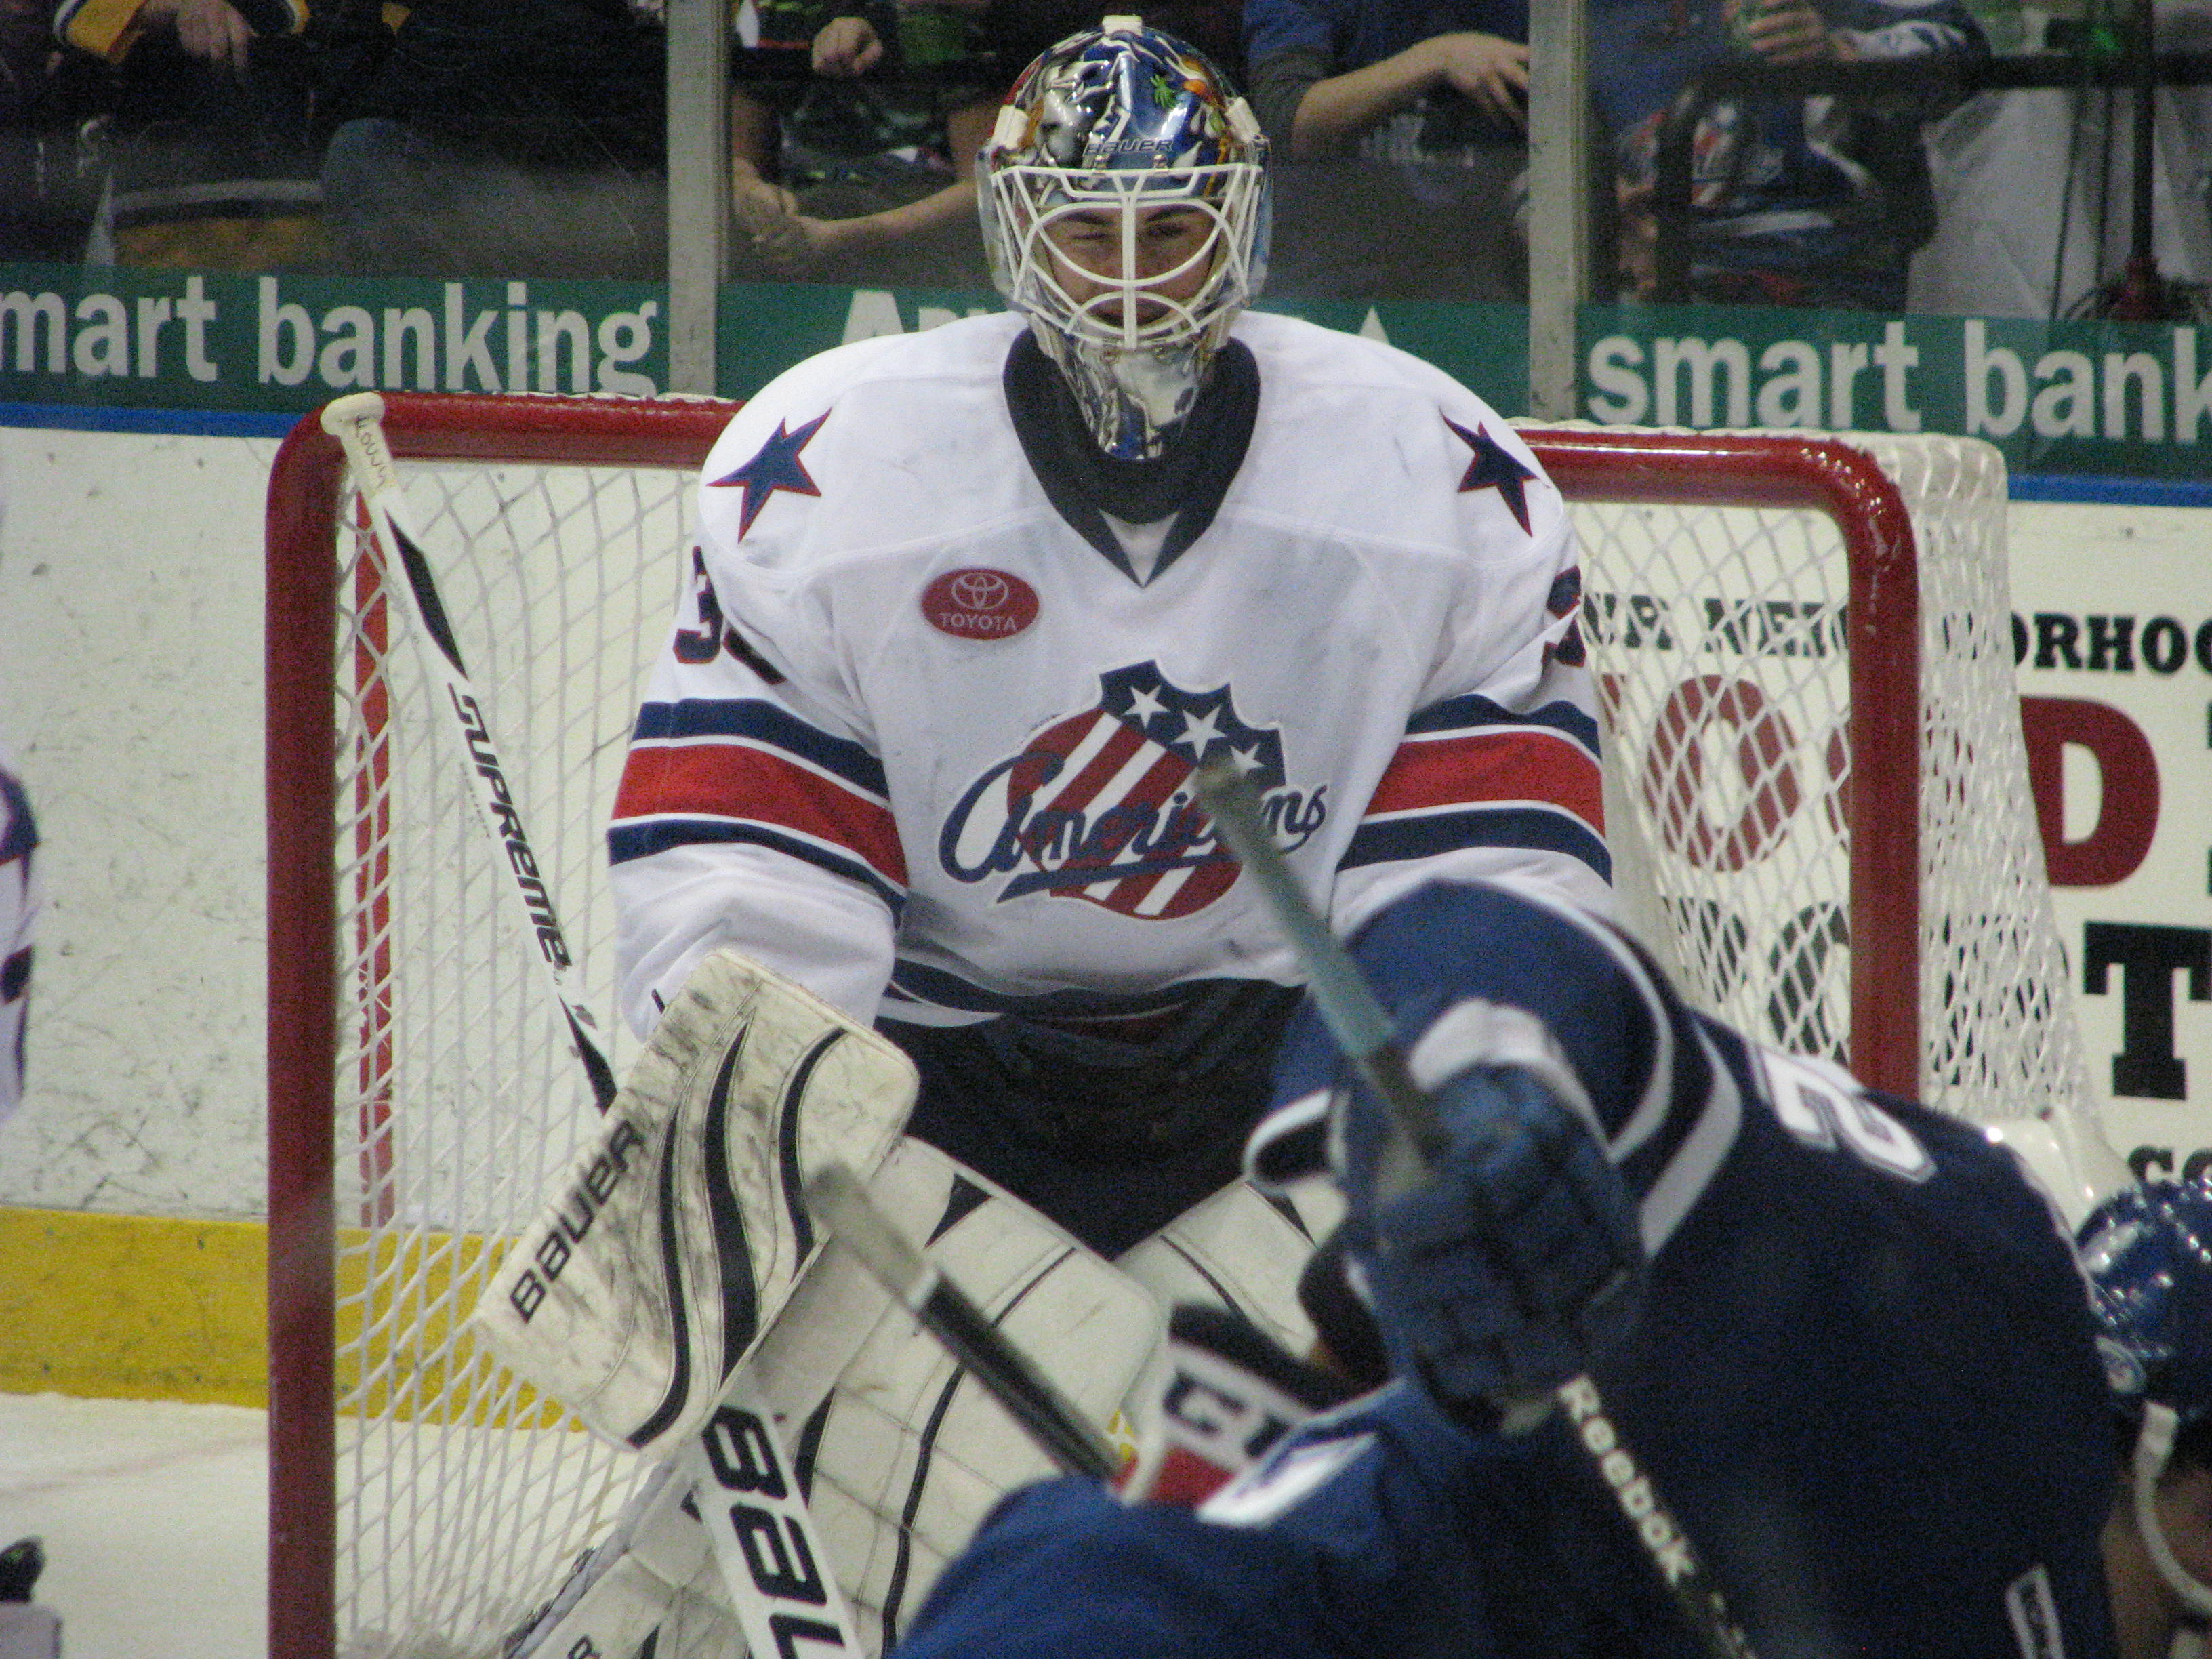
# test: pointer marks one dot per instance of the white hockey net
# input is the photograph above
(467, 1101)
(1721, 639)
(451, 1503)
(457, 1500)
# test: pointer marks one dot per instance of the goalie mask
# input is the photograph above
(1125, 209)
(2148, 1253)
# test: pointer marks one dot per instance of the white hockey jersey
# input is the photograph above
(919, 743)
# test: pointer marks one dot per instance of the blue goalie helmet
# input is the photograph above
(2147, 1252)
(1125, 209)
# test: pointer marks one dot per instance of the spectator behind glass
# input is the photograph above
(49, 167)
(505, 138)
(206, 150)
(861, 173)
(1798, 202)
(1399, 130)
(868, 177)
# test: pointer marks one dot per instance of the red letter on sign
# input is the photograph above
(2128, 814)
(1674, 783)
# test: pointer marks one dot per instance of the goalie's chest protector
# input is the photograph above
(873, 526)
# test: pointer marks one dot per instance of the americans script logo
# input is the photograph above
(1098, 806)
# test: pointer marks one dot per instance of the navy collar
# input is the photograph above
(1188, 479)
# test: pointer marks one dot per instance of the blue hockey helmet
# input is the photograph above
(2148, 1254)
(1103, 132)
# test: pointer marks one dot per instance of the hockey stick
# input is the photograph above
(1368, 1036)
(918, 1284)
(736, 1469)
(356, 422)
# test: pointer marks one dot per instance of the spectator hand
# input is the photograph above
(209, 29)
(1789, 32)
(769, 217)
(1638, 251)
(757, 201)
(791, 243)
(846, 47)
(1518, 1256)
(1492, 71)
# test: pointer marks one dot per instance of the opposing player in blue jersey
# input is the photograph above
(1846, 1340)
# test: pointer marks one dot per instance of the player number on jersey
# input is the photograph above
(1823, 1105)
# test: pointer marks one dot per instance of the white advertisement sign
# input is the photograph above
(2112, 639)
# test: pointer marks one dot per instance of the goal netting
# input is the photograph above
(1823, 644)
(1803, 655)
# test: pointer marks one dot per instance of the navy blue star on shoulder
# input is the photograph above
(777, 466)
(1493, 468)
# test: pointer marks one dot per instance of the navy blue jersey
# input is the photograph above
(1864, 1377)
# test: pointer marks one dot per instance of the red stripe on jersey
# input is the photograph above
(1204, 885)
(1151, 791)
(1188, 1478)
(737, 781)
(1075, 793)
(1525, 765)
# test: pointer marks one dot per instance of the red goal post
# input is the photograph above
(1803, 648)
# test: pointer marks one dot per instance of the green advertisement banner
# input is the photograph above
(123, 337)
(2110, 399)
(765, 328)
(138, 338)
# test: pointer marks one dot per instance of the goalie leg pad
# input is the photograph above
(1237, 1249)
(909, 1454)
(900, 1455)
(676, 1237)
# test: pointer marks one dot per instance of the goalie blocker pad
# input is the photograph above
(899, 1452)
(675, 1236)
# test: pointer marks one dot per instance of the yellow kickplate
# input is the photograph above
(131, 1307)
(128, 1307)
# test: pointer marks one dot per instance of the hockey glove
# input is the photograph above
(1518, 1257)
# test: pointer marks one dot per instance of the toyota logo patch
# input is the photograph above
(978, 603)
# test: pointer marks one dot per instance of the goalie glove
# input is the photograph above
(676, 1236)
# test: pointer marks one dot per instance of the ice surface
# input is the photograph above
(155, 1518)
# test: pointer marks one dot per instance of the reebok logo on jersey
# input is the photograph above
(1098, 805)
(977, 603)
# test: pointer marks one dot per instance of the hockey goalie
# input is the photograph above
(909, 871)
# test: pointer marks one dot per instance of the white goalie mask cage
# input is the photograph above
(1107, 130)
